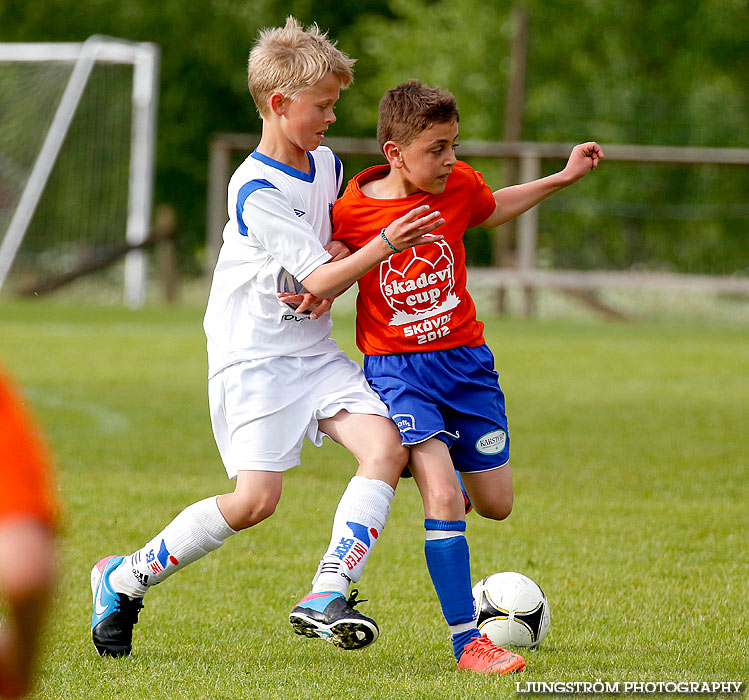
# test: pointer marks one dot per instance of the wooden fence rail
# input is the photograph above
(529, 156)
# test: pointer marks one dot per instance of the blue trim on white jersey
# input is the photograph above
(245, 191)
(278, 165)
(338, 171)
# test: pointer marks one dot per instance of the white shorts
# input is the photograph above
(261, 410)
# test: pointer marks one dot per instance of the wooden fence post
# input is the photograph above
(530, 169)
(218, 178)
(164, 228)
(513, 130)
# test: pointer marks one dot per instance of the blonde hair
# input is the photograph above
(290, 59)
(412, 107)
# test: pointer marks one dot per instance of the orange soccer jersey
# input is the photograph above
(25, 469)
(416, 300)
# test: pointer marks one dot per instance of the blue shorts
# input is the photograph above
(452, 395)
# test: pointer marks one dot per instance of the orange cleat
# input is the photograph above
(484, 656)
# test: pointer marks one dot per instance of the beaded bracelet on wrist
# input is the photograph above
(390, 245)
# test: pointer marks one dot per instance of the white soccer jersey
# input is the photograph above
(279, 221)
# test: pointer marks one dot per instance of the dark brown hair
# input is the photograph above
(410, 108)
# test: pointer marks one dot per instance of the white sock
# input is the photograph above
(197, 530)
(359, 520)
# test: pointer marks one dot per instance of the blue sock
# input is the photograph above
(448, 561)
(462, 638)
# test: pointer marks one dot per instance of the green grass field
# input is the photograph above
(629, 457)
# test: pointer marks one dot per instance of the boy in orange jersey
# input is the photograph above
(425, 353)
(27, 541)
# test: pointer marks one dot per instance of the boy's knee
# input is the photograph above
(445, 501)
(497, 509)
(397, 455)
(384, 461)
(253, 515)
(245, 510)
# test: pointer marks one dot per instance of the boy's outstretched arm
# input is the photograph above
(513, 201)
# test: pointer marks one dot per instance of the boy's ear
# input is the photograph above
(277, 103)
(393, 154)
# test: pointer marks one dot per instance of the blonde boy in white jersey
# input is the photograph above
(275, 375)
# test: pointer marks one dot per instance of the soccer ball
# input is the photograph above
(511, 610)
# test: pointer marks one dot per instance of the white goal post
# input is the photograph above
(145, 58)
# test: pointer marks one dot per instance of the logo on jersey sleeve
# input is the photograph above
(418, 284)
(286, 282)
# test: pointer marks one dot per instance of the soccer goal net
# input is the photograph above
(77, 132)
